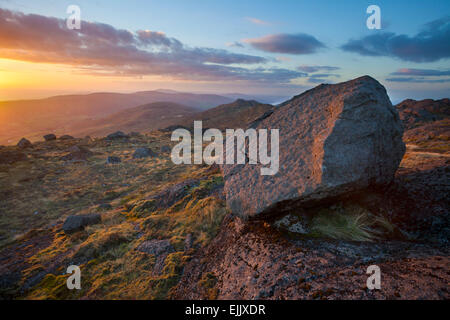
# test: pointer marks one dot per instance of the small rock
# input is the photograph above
(49, 137)
(113, 160)
(165, 149)
(156, 247)
(116, 135)
(24, 143)
(143, 153)
(66, 137)
(77, 223)
(78, 153)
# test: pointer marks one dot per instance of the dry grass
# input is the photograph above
(350, 223)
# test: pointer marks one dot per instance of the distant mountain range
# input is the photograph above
(99, 114)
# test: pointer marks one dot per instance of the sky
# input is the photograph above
(253, 47)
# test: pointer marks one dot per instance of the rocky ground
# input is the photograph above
(165, 231)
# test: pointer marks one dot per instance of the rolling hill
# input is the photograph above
(143, 118)
(34, 118)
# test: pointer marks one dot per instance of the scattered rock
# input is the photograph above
(156, 247)
(134, 134)
(165, 149)
(78, 153)
(49, 137)
(24, 143)
(160, 249)
(113, 160)
(143, 153)
(291, 223)
(117, 135)
(77, 223)
(171, 195)
(66, 137)
(334, 140)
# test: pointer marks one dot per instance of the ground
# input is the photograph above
(166, 232)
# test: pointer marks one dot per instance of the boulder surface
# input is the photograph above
(333, 140)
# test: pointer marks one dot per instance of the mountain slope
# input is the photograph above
(237, 114)
(143, 118)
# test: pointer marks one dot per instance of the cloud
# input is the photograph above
(417, 80)
(420, 72)
(235, 44)
(420, 76)
(430, 44)
(258, 21)
(311, 69)
(101, 49)
(320, 77)
(300, 43)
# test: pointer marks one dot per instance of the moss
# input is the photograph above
(54, 287)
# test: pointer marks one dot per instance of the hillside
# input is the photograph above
(237, 114)
(164, 231)
(143, 118)
(34, 118)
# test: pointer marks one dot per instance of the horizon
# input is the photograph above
(256, 48)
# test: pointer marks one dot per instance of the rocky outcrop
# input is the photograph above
(251, 261)
(77, 223)
(334, 140)
(414, 112)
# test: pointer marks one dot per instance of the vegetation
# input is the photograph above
(111, 266)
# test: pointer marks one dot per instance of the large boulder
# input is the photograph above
(77, 223)
(334, 140)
